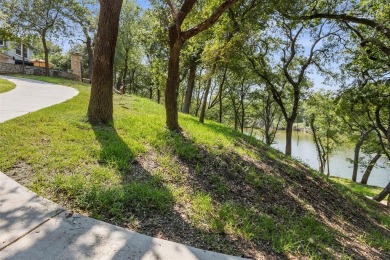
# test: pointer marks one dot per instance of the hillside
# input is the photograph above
(209, 187)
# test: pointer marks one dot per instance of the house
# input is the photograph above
(13, 53)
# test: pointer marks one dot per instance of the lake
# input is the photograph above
(303, 148)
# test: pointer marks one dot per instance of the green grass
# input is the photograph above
(211, 187)
(365, 190)
(6, 86)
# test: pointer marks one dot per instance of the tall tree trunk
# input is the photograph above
(23, 58)
(125, 70)
(220, 104)
(289, 131)
(242, 109)
(151, 92)
(171, 89)
(172, 86)
(369, 168)
(358, 145)
(206, 94)
(100, 109)
(190, 87)
(318, 144)
(46, 51)
(158, 95)
(383, 193)
(327, 152)
(88, 44)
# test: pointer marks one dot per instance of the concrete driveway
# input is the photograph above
(31, 95)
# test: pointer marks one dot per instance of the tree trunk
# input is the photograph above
(158, 96)
(190, 88)
(358, 145)
(46, 51)
(151, 92)
(289, 130)
(318, 144)
(242, 95)
(171, 89)
(370, 166)
(383, 193)
(23, 59)
(206, 94)
(327, 152)
(220, 104)
(125, 70)
(100, 109)
(88, 44)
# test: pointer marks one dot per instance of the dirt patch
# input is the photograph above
(21, 172)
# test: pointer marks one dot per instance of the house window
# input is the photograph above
(19, 48)
(1, 43)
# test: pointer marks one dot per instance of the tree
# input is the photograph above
(44, 18)
(127, 55)
(267, 114)
(81, 14)
(193, 60)
(177, 38)
(100, 107)
(372, 16)
(287, 79)
(324, 126)
(354, 115)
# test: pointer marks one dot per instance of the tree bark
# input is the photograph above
(220, 102)
(171, 89)
(190, 88)
(125, 70)
(289, 130)
(206, 94)
(100, 109)
(242, 95)
(88, 44)
(151, 92)
(358, 145)
(369, 168)
(46, 51)
(383, 193)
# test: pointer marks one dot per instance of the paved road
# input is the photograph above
(32, 227)
(31, 95)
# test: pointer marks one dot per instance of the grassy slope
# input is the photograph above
(210, 187)
(6, 86)
(366, 190)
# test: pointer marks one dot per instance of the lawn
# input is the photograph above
(365, 190)
(209, 187)
(6, 86)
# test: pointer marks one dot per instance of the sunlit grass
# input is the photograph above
(6, 86)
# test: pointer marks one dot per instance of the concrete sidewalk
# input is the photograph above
(31, 95)
(34, 228)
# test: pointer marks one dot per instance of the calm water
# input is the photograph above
(304, 149)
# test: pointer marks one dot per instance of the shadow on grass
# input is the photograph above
(276, 202)
(141, 200)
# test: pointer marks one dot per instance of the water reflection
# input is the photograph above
(304, 149)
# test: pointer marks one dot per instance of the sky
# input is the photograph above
(143, 3)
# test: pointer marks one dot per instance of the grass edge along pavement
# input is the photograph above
(6, 86)
(209, 187)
